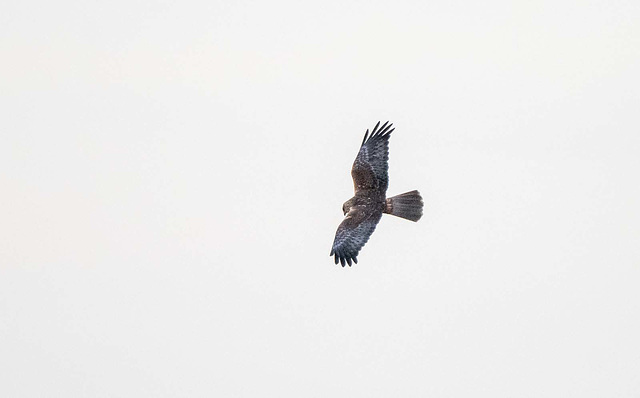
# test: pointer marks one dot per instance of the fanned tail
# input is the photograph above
(407, 205)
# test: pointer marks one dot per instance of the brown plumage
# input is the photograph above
(364, 210)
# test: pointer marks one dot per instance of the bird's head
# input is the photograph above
(347, 206)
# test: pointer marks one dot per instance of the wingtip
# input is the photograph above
(345, 259)
(379, 131)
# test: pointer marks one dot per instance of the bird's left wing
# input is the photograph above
(370, 169)
(354, 231)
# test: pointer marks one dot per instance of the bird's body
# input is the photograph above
(364, 210)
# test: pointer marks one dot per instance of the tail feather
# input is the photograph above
(407, 205)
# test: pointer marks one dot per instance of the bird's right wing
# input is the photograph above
(354, 231)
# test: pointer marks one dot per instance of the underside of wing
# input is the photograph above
(353, 233)
(370, 169)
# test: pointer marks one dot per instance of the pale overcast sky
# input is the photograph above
(173, 175)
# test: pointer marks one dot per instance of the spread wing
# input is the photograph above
(370, 169)
(354, 231)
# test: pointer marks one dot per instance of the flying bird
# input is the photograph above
(364, 210)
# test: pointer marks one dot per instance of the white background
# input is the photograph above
(172, 175)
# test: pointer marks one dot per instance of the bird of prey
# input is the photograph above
(364, 210)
